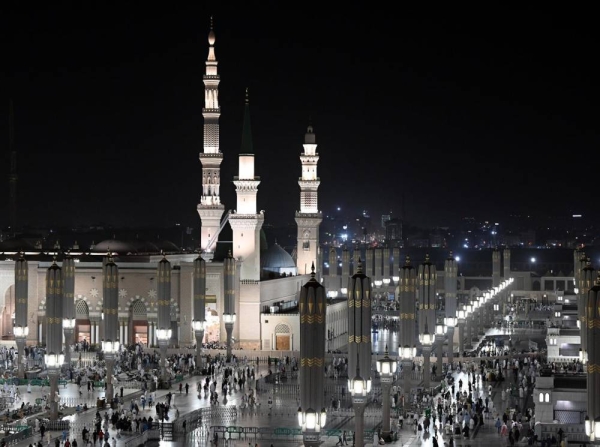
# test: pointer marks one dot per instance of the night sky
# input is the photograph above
(469, 114)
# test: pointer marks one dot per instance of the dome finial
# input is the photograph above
(359, 267)
(407, 261)
(247, 96)
(312, 271)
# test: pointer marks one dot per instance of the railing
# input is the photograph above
(575, 432)
(132, 384)
(18, 436)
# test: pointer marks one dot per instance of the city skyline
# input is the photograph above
(440, 119)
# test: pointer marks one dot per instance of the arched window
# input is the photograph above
(81, 310)
(541, 397)
(547, 397)
(282, 329)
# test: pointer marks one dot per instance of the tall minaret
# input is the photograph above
(210, 208)
(309, 217)
(246, 224)
(12, 176)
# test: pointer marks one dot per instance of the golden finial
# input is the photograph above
(407, 261)
(427, 258)
(54, 259)
(359, 267)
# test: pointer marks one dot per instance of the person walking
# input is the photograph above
(187, 388)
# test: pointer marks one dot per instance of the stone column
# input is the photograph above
(469, 324)
(450, 332)
(110, 283)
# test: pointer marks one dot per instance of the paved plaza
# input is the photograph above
(283, 414)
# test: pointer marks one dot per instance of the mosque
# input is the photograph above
(267, 279)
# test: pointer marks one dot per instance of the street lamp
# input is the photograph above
(386, 367)
(54, 361)
(311, 420)
(386, 281)
(199, 327)
(396, 279)
(110, 349)
(378, 283)
(229, 318)
(592, 428)
(163, 336)
(359, 388)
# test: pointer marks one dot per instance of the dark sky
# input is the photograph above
(469, 114)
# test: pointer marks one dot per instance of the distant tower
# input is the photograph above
(496, 261)
(12, 176)
(246, 224)
(210, 208)
(309, 217)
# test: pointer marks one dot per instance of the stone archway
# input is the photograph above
(138, 323)
(282, 337)
(82, 321)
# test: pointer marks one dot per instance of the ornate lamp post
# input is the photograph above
(199, 322)
(440, 336)
(20, 328)
(450, 281)
(110, 320)
(313, 313)
(359, 348)
(54, 314)
(461, 318)
(164, 332)
(68, 267)
(426, 339)
(592, 316)
(110, 349)
(406, 300)
(386, 367)
(450, 323)
(229, 304)
(427, 278)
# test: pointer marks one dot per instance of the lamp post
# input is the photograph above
(450, 323)
(407, 298)
(359, 388)
(199, 323)
(20, 328)
(54, 363)
(426, 280)
(229, 320)
(359, 346)
(440, 336)
(163, 336)
(386, 367)
(592, 315)
(110, 349)
(229, 303)
(312, 307)
(469, 321)
(426, 340)
(68, 267)
(54, 315)
(68, 330)
(461, 319)
(199, 327)
(164, 332)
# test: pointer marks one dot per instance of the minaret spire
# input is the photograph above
(210, 208)
(309, 217)
(12, 176)
(247, 147)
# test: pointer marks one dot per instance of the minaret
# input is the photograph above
(210, 208)
(12, 176)
(246, 224)
(309, 217)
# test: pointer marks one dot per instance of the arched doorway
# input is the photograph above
(282, 337)
(138, 323)
(82, 321)
(213, 325)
